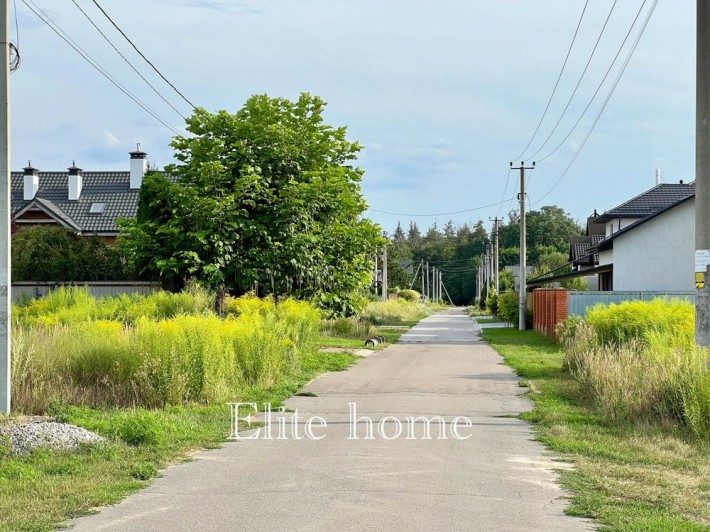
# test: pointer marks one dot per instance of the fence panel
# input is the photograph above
(579, 302)
(97, 289)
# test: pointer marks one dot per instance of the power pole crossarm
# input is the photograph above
(523, 246)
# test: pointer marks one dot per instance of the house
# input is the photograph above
(579, 254)
(89, 203)
(644, 244)
(655, 252)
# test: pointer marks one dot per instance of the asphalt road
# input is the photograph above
(496, 478)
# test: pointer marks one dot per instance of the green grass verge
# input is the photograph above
(40, 491)
(627, 477)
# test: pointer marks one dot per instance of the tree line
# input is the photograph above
(456, 250)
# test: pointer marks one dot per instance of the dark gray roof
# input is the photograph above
(647, 203)
(580, 247)
(608, 242)
(111, 188)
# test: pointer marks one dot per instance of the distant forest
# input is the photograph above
(457, 250)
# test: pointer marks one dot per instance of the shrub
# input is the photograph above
(347, 328)
(492, 302)
(638, 362)
(508, 307)
(409, 295)
(636, 319)
(57, 254)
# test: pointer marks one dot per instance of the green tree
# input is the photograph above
(267, 197)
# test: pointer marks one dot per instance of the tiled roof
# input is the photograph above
(580, 247)
(651, 201)
(111, 188)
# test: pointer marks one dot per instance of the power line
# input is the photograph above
(557, 83)
(611, 66)
(127, 61)
(440, 213)
(143, 56)
(505, 191)
(606, 101)
(56, 29)
(579, 82)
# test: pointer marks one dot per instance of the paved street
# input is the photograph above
(497, 479)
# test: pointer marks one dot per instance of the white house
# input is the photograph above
(650, 242)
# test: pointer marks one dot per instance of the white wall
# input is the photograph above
(606, 257)
(617, 224)
(659, 255)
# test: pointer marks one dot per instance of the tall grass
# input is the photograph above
(394, 312)
(162, 350)
(637, 361)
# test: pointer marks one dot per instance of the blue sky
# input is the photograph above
(442, 94)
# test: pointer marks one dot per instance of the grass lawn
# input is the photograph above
(42, 490)
(628, 477)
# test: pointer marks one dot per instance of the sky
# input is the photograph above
(442, 95)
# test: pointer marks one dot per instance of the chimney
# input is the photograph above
(139, 165)
(75, 182)
(31, 182)
(658, 176)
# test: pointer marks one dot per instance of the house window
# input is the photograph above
(97, 208)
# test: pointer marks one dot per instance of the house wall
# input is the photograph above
(617, 224)
(606, 257)
(659, 254)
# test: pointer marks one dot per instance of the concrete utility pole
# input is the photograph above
(523, 246)
(5, 284)
(422, 269)
(702, 176)
(496, 261)
(385, 295)
(441, 285)
(433, 284)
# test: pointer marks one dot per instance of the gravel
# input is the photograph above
(24, 437)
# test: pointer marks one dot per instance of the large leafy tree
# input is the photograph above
(265, 198)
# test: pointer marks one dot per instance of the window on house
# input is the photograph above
(97, 208)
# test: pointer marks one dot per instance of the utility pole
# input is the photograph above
(702, 176)
(5, 284)
(433, 284)
(441, 284)
(496, 262)
(385, 295)
(422, 268)
(523, 245)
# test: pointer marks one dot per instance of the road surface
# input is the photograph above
(493, 478)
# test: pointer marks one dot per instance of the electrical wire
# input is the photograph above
(606, 101)
(440, 213)
(579, 82)
(557, 83)
(505, 190)
(127, 60)
(56, 29)
(596, 92)
(143, 56)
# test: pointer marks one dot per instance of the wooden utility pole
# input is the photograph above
(702, 176)
(5, 284)
(496, 261)
(523, 246)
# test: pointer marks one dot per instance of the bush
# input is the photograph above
(57, 254)
(492, 302)
(637, 361)
(675, 319)
(346, 328)
(409, 295)
(508, 307)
